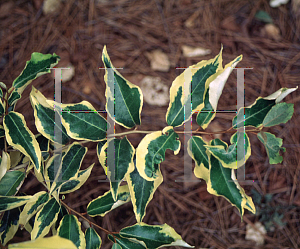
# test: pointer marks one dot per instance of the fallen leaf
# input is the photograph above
(51, 6)
(193, 52)
(189, 23)
(254, 235)
(155, 92)
(271, 31)
(159, 60)
(277, 3)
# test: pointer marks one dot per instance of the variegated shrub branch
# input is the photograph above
(57, 166)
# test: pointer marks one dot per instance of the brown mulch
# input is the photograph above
(129, 29)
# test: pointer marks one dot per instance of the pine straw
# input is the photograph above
(129, 29)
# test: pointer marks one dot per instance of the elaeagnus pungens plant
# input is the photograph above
(55, 154)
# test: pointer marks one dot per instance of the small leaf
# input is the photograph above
(13, 98)
(9, 225)
(105, 203)
(3, 86)
(33, 206)
(280, 113)
(20, 137)
(70, 228)
(237, 153)
(71, 162)
(126, 100)
(93, 240)
(49, 242)
(11, 182)
(195, 81)
(263, 16)
(151, 152)
(45, 218)
(197, 151)
(272, 145)
(123, 162)
(141, 192)
(154, 236)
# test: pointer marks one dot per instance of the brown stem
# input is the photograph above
(79, 214)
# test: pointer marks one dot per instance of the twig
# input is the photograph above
(81, 215)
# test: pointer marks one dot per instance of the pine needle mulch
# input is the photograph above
(130, 29)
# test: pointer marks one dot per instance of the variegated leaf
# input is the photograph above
(214, 92)
(141, 192)
(10, 202)
(9, 225)
(38, 65)
(105, 203)
(51, 170)
(154, 236)
(70, 228)
(197, 151)
(77, 181)
(5, 164)
(29, 225)
(151, 152)
(70, 165)
(45, 243)
(237, 153)
(45, 120)
(20, 137)
(12, 99)
(122, 165)
(11, 182)
(33, 206)
(45, 218)
(255, 114)
(62, 212)
(123, 97)
(2, 108)
(101, 154)
(222, 182)
(82, 121)
(191, 85)
(92, 239)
